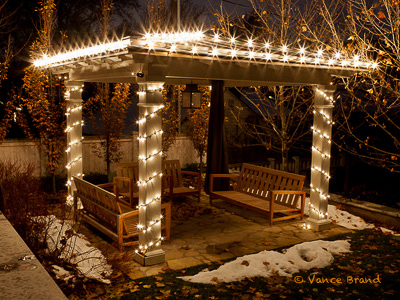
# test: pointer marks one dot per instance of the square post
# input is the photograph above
(320, 163)
(150, 172)
(73, 98)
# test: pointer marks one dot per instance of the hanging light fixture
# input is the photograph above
(191, 96)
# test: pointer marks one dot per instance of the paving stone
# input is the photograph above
(135, 274)
(213, 237)
(181, 263)
(286, 241)
(173, 254)
(307, 236)
(156, 270)
(217, 257)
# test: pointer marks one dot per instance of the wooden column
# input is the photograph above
(320, 163)
(73, 98)
(150, 105)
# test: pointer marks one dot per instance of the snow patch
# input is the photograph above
(75, 249)
(304, 256)
(61, 273)
(342, 218)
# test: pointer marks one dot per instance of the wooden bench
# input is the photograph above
(256, 187)
(104, 211)
(173, 185)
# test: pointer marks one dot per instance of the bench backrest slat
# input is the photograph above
(128, 170)
(259, 181)
(172, 168)
(98, 202)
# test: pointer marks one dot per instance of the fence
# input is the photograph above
(24, 151)
(295, 165)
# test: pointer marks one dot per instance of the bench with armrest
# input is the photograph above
(266, 191)
(104, 211)
(173, 186)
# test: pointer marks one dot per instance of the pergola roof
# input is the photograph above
(177, 58)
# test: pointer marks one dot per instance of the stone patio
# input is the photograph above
(213, 233)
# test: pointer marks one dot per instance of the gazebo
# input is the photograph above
(155, 59)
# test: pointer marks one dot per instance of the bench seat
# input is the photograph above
(265, 191)
(106, 212)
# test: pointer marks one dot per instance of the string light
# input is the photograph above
(145, 136)
(154, 200)
(144, 158)
(69, 128)
(202, 44)
(325, 95)
(150, 115)
(215, 52)
(320, 213)
(320, 152)
(149, 180)
(252, 54)
(149, 225)
(321, 135)
(70, 164)
(321, 171)
(83, 52)
(321, 194)
(144, 248)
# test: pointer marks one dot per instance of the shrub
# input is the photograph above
(22, 200)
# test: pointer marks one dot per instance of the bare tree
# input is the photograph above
(112, 101)
(285, 115)
(367, 114)
(7, 100)
(284, 112)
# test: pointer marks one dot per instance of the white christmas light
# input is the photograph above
(149, 180)
(84, 52)
(203, 44)
(154, 200)
(215, 52)
(146, 158)
(252, 54)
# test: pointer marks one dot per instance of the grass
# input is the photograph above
(374, 257)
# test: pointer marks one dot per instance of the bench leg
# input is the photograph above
(271, 217)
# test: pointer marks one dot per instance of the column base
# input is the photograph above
(150, 258)
(318, 225)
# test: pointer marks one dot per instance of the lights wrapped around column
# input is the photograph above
(146, 227)
(74, 134)
(322, 128)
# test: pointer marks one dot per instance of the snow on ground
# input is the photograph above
(76, 249)
(341, 217)
(304, 256)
